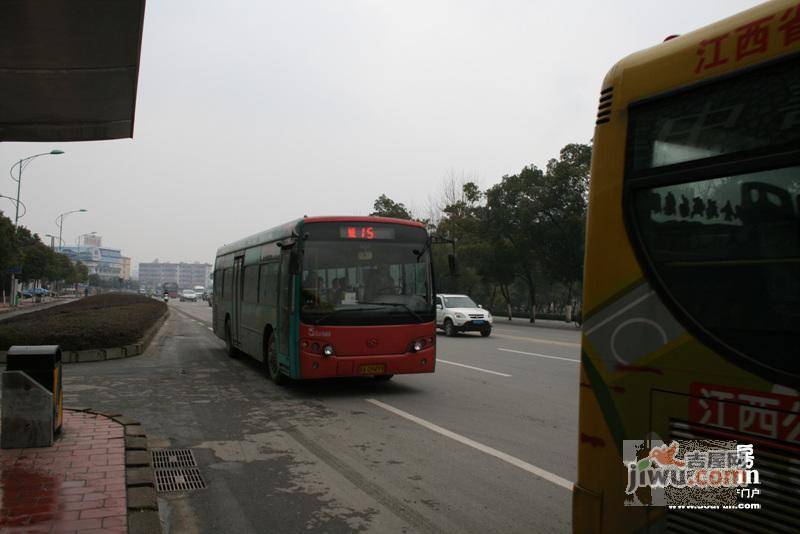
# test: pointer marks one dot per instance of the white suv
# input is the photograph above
(459, 313)
(188, 294)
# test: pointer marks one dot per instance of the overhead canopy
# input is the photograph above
(69, 69)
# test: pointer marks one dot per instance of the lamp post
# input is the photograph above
(23, 164)
(60, 223)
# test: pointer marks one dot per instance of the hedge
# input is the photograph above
(101, 321)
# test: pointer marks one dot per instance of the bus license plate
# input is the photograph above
(372, 369)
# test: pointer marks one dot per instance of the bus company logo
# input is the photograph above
(315, 332)
(687, 472)
(372, 342)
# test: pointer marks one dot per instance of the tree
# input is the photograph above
(562, 202)
(512, 214)
(81, 272)
(386, 207)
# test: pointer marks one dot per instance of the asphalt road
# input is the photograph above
(488, 443)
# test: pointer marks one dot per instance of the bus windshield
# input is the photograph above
(353, 281)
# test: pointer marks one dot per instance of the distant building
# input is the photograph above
(106, 262)
(186, 275)
(126, 268)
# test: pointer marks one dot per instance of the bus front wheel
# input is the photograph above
(272, 363)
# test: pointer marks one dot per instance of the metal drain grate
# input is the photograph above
(172, 458)
(180, 479)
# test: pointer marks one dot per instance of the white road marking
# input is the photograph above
(536, 339)
(474, 368)
(516, 462)
(210, 328)
(540, 355)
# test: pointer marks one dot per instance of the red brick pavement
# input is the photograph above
(77, 485)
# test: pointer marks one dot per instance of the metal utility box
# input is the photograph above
(43, 364)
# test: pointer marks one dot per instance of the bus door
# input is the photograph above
(284, 304)
(237, 299)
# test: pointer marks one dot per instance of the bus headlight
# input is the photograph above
(327, 350)
(421, 343)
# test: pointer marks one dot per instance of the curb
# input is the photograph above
(140, 491)
(116, 353)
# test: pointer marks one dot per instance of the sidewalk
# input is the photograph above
(78, 485)
(500, 320)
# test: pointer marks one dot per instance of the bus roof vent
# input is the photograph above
(604, 109)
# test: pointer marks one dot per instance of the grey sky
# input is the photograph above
(252, 113)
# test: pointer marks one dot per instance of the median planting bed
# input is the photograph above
(97, 322)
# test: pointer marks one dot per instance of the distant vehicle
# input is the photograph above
(201, 292)
(171, 288)
(459, 313)
(188, 294)
(35, 292)
(329, 296)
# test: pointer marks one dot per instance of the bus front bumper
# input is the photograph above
(318, 366)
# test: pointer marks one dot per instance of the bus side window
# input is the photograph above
(227, 283)
(268, 284)
(250, 293)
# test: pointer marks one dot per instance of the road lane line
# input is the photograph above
(538, 340)
(516, 462)
(471, 367)
(540, 355)
(210, 328)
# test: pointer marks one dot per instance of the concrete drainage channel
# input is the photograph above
(176, 470)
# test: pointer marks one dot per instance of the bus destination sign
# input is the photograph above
(366, 232)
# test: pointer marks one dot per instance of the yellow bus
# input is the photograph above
(692, 276)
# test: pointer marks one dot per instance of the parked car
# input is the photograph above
(459, 313)
(188, 294)
(35, 292)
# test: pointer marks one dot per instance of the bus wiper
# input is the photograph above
(412, 312)
(334, 312)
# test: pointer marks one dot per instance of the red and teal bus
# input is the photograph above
(329, 297)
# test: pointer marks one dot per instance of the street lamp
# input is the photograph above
(60, 223)
(23, 164)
